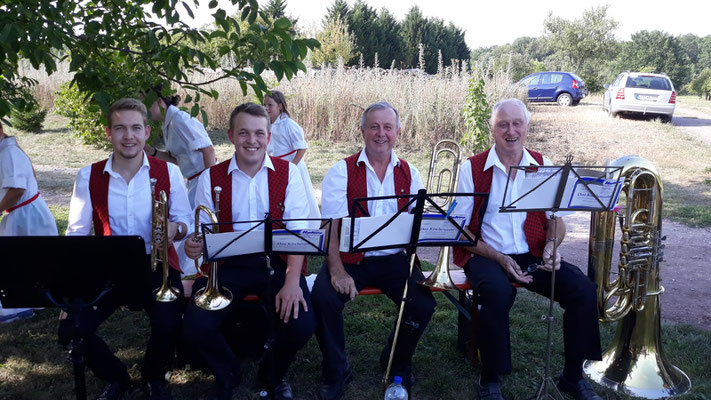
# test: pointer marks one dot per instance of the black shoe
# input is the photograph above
(157, 390)
(408, 378)
(282, 391)
(335, 390)
(115, 391)
(581, 390)
(490, 391)
(222, 393)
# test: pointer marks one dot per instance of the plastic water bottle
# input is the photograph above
(396, 391)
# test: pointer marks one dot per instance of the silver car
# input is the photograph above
(641, 93)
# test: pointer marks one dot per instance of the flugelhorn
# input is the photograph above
(211, 297)
(159, 244)
(635, 363)
(443, 177)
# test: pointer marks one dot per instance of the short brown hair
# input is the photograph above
(251, 109)
(127, 104)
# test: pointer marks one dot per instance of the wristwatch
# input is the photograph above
(180, 230)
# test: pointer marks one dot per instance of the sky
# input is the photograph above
(488, 23)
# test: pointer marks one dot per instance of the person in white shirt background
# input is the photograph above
(23, 210)
(288, 143)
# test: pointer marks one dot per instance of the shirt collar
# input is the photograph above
(266, 164)
(363, 158)
(493, 159)
(170, 113)
(109, 167)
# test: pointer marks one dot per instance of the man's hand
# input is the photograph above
(287, 301)
(513, 270)
(343, 283)
(193, 246)
(548, 262)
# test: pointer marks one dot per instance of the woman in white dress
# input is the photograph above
(187, 143)
(288, 143)
(24, 211)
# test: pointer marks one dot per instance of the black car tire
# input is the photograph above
(564, 100)
(665, 119)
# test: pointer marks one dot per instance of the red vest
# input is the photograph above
(99, 194)
(534, 227)
(278, 180)
(357, 187)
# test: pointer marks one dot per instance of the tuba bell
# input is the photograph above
(159, 245)
(210, 297)
(635, 362)
(445, 175)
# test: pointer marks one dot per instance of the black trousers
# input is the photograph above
(242, 276)
(165, 327)
(389, 274)
(575, 293)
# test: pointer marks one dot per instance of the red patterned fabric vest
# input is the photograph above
(99, 194)
(278, 180)
(357, 187)
(534, 226)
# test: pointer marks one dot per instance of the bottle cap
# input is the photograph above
(397, 380)
(263, 394)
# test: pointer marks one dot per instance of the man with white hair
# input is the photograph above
(509, 244)
(373, 171)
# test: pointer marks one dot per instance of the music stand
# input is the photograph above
(412, 243)
(562, 188)
(72, 273)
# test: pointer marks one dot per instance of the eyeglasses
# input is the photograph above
(533, 267)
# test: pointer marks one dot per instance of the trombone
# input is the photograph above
(210, 297)
(159, 251)
(447, 175)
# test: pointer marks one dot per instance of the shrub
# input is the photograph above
(29, 119)
(476, 115)
(83, 116)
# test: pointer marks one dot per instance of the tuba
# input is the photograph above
(210, 297)
(635, 363)
(446, 175)
(159, 245)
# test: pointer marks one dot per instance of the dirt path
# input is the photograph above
(695, 123)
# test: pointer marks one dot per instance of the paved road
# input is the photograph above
(694, 123)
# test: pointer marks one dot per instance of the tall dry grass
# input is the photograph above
(328, 102)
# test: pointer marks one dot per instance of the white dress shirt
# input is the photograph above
(129, 203)
(333, 198)
(33, 219)
(501, 231)
(287, 136)
(184, 136)
(250, 196)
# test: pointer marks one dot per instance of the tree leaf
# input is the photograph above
(194, 110)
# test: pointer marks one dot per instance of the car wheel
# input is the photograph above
(665, 119)
(564, 100)
(611, 113)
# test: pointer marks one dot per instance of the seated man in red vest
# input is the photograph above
(253, 184)
(510, 243)
(114, 197)
(373, 171)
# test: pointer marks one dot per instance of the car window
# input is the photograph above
(531, 80)
(618, 81)
(648, 82)
(576, 77)
(548, 79)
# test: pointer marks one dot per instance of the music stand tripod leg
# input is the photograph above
(547, 379)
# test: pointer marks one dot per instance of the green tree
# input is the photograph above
(657, 51)
(584, 45)
(701, 85)
(413, 31)
(389, 42)
(119, 47)
(336, 42)
(339, 10)
(364, 27)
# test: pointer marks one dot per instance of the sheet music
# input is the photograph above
(252, 242)
(575, 194)
(285, 242)
(437, 228)
(397, 233)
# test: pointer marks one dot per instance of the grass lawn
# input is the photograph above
(32, 365)
(694, 102)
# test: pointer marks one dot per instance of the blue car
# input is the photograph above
(565, 88)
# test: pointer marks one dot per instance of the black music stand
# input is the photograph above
(72, 273)
(410, 247)
(565, 188)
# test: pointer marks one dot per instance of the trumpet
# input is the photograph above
(210, 297)
(159, 244)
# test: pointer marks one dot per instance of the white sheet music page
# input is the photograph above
(397, 233)
(285, 242)
(250, 243)
(437, 228)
